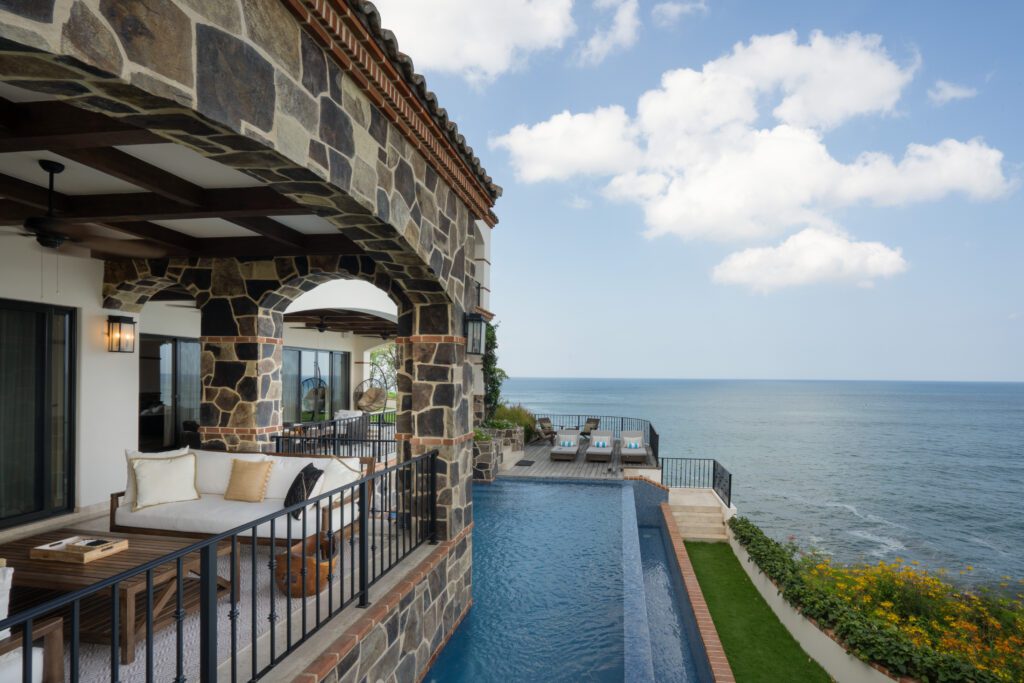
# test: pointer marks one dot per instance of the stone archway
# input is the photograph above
(242, 302)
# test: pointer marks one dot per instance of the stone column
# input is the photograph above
(434, 384)
(241, 360)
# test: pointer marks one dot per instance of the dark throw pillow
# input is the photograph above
(302, 487)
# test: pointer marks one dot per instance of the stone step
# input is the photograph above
(701, 530)
(697, 508)
(711, 516)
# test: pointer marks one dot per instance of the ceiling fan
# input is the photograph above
(53, 232)
(320, 326)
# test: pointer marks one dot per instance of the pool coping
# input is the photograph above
(721, 671)
(638, 657)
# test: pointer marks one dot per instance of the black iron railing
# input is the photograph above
(340, 446)
(697, 473)
(369, 435)
(612, 423)
(310, 566)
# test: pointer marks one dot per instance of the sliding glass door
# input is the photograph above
(36, 438)
(169, 391)
(315, 384)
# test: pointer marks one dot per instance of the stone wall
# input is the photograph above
(487, 458)
(510, 439)
(401, 633)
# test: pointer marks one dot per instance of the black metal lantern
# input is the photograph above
(120, 334)
(476, 334)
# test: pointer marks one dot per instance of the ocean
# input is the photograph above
(864, 471)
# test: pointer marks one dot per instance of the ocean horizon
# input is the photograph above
(864, 470)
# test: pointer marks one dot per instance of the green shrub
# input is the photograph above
(480, 435)
(515, 416)
(874, 635)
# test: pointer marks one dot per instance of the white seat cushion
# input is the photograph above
(10, 666)
(211, 514)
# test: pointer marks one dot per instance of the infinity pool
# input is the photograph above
(549, 591)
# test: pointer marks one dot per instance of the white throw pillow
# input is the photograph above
(213, 469)
(167, 480)
(338, 473)
(130, 455)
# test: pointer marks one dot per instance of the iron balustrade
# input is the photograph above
(612, 423)
(379, 425)
(339, 446)
(697, 473)
(389, 513)
(369, 435)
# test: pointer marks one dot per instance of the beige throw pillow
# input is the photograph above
(164, 480)
(248, 481)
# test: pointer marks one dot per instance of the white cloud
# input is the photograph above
(476, 40)
(736, 151)
(578, 202)
(668, 13)
(601, 142)
(620, 35)
(811, 255)
(944, 91)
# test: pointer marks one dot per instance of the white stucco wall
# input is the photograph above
(482, 257)
(106, 405)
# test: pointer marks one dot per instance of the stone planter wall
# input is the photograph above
(510, 439)
(487, 458)
(832, 657)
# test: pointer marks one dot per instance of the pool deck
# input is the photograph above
(544, 467)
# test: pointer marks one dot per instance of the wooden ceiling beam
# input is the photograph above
(180, 243)
(133, 170)
(50, 125)
(142, 206)
(29, 194)
(273, 230)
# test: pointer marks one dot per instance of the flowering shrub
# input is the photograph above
(911, 621)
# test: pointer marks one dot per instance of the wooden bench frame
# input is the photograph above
(51, 632)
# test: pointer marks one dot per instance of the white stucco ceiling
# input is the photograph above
(354, 295)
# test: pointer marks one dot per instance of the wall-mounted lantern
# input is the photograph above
(120, 334)
(476, 334)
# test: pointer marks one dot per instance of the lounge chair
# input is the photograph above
(634, 450)
(601, 445)
(546, 430)
(591, 424)
(567, 445)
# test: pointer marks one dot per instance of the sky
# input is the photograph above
(724, 189)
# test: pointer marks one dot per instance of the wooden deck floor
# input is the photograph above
(544, 467)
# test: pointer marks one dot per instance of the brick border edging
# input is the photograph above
(378, 611)
(646, 480)
(719, 663)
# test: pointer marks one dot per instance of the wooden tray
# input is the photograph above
(70, 549)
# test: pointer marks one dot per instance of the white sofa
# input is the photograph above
(212, 514)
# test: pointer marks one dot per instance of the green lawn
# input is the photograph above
(758, 646)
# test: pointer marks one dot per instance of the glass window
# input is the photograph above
(290, 385)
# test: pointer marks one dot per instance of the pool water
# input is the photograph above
(547, 587)
(671, 625)
(549, 591)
